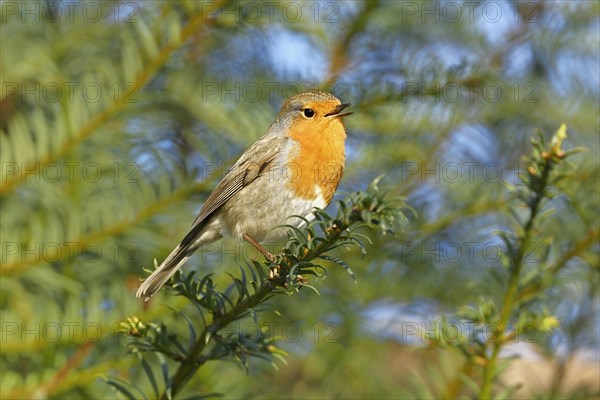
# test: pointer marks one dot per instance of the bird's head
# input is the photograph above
(313, 114)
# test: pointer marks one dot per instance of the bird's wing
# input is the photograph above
(256, 161)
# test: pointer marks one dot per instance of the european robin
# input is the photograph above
(296, 166)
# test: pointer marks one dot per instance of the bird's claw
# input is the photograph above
(274, 272)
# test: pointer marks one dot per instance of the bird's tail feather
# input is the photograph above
(164, 272)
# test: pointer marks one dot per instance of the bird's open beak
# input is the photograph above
(337, 111)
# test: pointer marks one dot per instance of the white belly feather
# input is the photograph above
(263, 206)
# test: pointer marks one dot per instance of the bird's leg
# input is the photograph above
(259, 247)
(265, 253)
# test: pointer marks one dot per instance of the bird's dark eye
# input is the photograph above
(309, 112)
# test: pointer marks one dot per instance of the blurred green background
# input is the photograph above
(118, 118)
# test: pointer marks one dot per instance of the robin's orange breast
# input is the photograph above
(318, 159)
